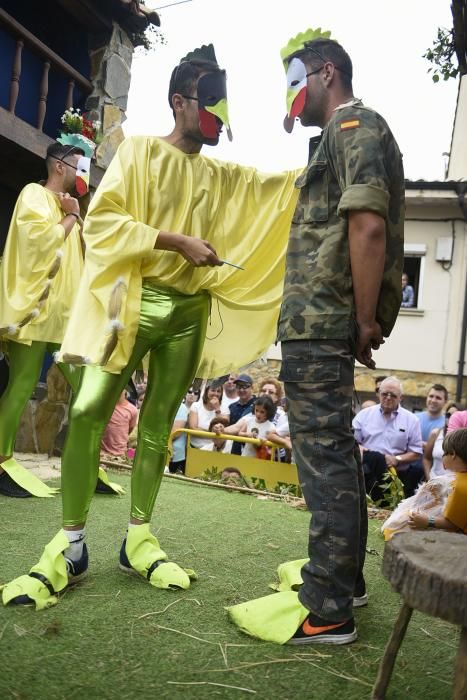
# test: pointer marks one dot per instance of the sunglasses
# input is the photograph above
(240, 385)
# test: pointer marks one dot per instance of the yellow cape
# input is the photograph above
(40, 270)
(151, 186)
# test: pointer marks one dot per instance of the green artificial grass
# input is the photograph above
(114, 636)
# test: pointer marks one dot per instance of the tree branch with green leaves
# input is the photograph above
(449, 51)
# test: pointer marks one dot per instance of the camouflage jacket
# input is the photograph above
(355, 165)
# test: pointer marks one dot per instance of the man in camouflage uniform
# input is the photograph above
(341, 296)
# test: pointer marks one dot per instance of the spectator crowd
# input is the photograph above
(408, 444)
(228, 407)
(391, 438)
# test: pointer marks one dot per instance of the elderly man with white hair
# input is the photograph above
(389, 436)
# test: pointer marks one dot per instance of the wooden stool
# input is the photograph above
(429, 570)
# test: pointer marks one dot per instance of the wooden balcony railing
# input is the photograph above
(50, 59)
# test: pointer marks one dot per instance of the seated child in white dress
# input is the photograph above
(442, 501)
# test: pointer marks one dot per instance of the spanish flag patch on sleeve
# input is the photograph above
(352, 124)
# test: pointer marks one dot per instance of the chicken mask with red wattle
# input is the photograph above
(212, 104)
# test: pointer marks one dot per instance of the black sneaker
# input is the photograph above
(76, 571)
(360, 596)
(126, 566)
(124, 561)
(9, 487)
(314, 630)
(104, 488)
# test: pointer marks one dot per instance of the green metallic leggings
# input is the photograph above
(25, 364)
(172, 329)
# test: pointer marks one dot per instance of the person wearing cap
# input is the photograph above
(39, 278)
(160, 226)
(240, 408)
(341, 298)
(246, 398)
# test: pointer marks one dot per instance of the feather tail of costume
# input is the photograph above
(114, 310)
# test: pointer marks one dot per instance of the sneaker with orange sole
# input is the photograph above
(314, 630)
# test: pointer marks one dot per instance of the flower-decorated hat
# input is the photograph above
(80, 132)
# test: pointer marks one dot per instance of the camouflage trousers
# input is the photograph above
(319, 380)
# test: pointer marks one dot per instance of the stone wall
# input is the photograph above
(416, 385)
(44, 415)
(110, 75)
(261, 369)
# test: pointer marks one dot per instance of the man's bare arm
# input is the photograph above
(196, 251)
(405, 458)
(367, 245)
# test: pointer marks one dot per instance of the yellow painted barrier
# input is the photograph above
(263, 474)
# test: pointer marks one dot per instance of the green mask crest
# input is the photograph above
(203, 53)
(299, 42)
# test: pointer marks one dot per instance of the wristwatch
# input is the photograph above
(398, 458)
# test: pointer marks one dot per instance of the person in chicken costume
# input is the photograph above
(158, 232)
(39, 278)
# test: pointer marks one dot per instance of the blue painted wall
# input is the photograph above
(55, 28)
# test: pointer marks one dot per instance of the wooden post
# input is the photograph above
(69, 96)
(43, 92)
(460, 678)
(15, 76)
(386, 664)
